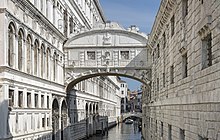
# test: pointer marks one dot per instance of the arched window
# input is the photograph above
(11, 37)
(54, 66)
(20, 49)
(28, 45)
(47, 63)
(36, 45)
(42, 61)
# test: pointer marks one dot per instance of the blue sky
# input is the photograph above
(131, 12)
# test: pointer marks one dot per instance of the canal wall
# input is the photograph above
(183, 102)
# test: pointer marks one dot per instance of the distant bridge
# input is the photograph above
(131, 115)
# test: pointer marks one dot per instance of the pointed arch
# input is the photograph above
(11, 39)
(20, 49)
(29, 54)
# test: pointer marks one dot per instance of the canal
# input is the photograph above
(121, 132)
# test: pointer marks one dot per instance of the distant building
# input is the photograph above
(124, 93)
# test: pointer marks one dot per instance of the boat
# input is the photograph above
(129, 121)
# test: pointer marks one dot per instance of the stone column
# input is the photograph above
(60, 115)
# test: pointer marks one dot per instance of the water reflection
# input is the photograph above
(121, 132)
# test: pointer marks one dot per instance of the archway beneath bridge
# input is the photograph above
(139, 75)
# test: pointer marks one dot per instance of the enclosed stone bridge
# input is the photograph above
(107, 50)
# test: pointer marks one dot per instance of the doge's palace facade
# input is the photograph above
(32, 95)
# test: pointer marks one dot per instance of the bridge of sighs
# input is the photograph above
(107, 50)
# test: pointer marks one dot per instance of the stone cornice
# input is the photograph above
(26, 75)
(162, 17)
(40, 17)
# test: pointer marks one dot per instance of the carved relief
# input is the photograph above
(107, 39)
(25, 17)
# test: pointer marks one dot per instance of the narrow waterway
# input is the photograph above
(121, 132)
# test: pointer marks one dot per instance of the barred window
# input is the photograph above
(207, 51)
(91, 55)
(20, 98)
(172, 25)
(125, 55)
(184, 65)
(171, 74)
(11, 97)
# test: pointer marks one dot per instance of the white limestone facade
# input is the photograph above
(94, 105)
(183, 102)
(32, 92)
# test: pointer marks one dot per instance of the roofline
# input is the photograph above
(89, 32)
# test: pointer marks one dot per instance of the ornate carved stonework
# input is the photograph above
(107, 39)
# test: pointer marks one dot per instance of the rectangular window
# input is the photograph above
(172, 25)
(184, 65)
(158, 84)
(48, 102)
(48, 122)
(36, 100)
(207, 51)
(28, 99)
(158, 50)
(11, 97)
(20, 98)
(184, 8)
(164, 80)
(182, 134)
(169, 132)
(164, 40)
(161, 134)
(171, 74)
(153, 57)
(91, 55)
(42, 101)
(124, 55)
(43, 122)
